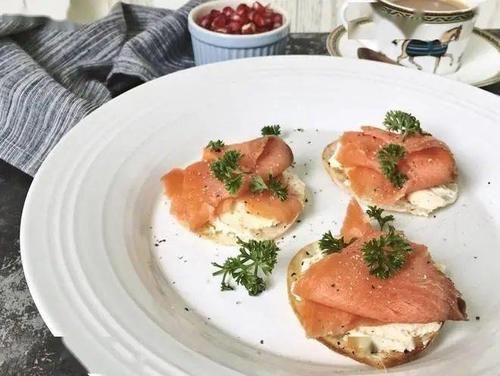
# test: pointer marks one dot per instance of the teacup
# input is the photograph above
(431, 40)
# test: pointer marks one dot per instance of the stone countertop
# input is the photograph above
(26, 345)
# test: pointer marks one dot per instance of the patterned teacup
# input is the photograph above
(428, 40)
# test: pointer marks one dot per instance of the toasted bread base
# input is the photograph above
(339, 177)
(295, 187)
(340, 344)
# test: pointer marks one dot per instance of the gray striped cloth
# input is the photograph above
(53, 74)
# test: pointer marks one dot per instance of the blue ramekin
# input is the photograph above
(210, 47)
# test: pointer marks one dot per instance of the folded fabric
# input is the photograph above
(53, 74)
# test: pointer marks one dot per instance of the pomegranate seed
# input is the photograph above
(248, 28)
(205, 21)
(259, 20)
(242, 9)
(258, 7)
(228, 11)
(219, 22)
(245, 19)
(214, 13)
(277, 18)
(242, 19)
(234, 27)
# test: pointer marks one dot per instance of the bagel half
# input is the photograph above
(361, 351)
(404, 205)
(238, 227)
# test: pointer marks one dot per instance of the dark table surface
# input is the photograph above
(26, 345)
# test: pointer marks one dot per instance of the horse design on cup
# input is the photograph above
(412, 48)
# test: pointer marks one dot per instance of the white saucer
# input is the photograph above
(481, 61)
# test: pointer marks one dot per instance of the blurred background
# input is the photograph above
(307, 15)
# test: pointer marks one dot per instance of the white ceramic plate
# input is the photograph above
(480, 65)
(128, 304)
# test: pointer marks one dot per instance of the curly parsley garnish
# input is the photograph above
(258, 185)
(216, 145)
(277, 188)
(388, 158)
(226, 170)
(271, 130)
(329, 244)
(403, 123)
(377, 214)
(386, 254)
(256, 258)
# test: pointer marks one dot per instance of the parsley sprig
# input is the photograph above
(226, 170)
(271, 130)
(388, 158)
(377, 214)
(216, 145)
(329, 244)
(277, 188)
(258, 185)
(386, 254)
(403, 123)
(256, 258)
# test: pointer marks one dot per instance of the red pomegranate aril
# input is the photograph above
(277, 18)
(214, 13)
(259, 20)
(242, 9)
(218, 22)
(248, 28)
(258, 7)
(205, 21)
(242, 19)
(234, 27)
(228, 11)
(245, 19)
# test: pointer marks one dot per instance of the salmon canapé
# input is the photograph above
(339, 293)
(251, 173)
(424, 162)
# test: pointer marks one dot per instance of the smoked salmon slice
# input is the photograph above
(356, 224)
(428, 163)
(265, 156)
(320, 320)
(197, 196)
(338, 292)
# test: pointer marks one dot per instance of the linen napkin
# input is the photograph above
(53, 74)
